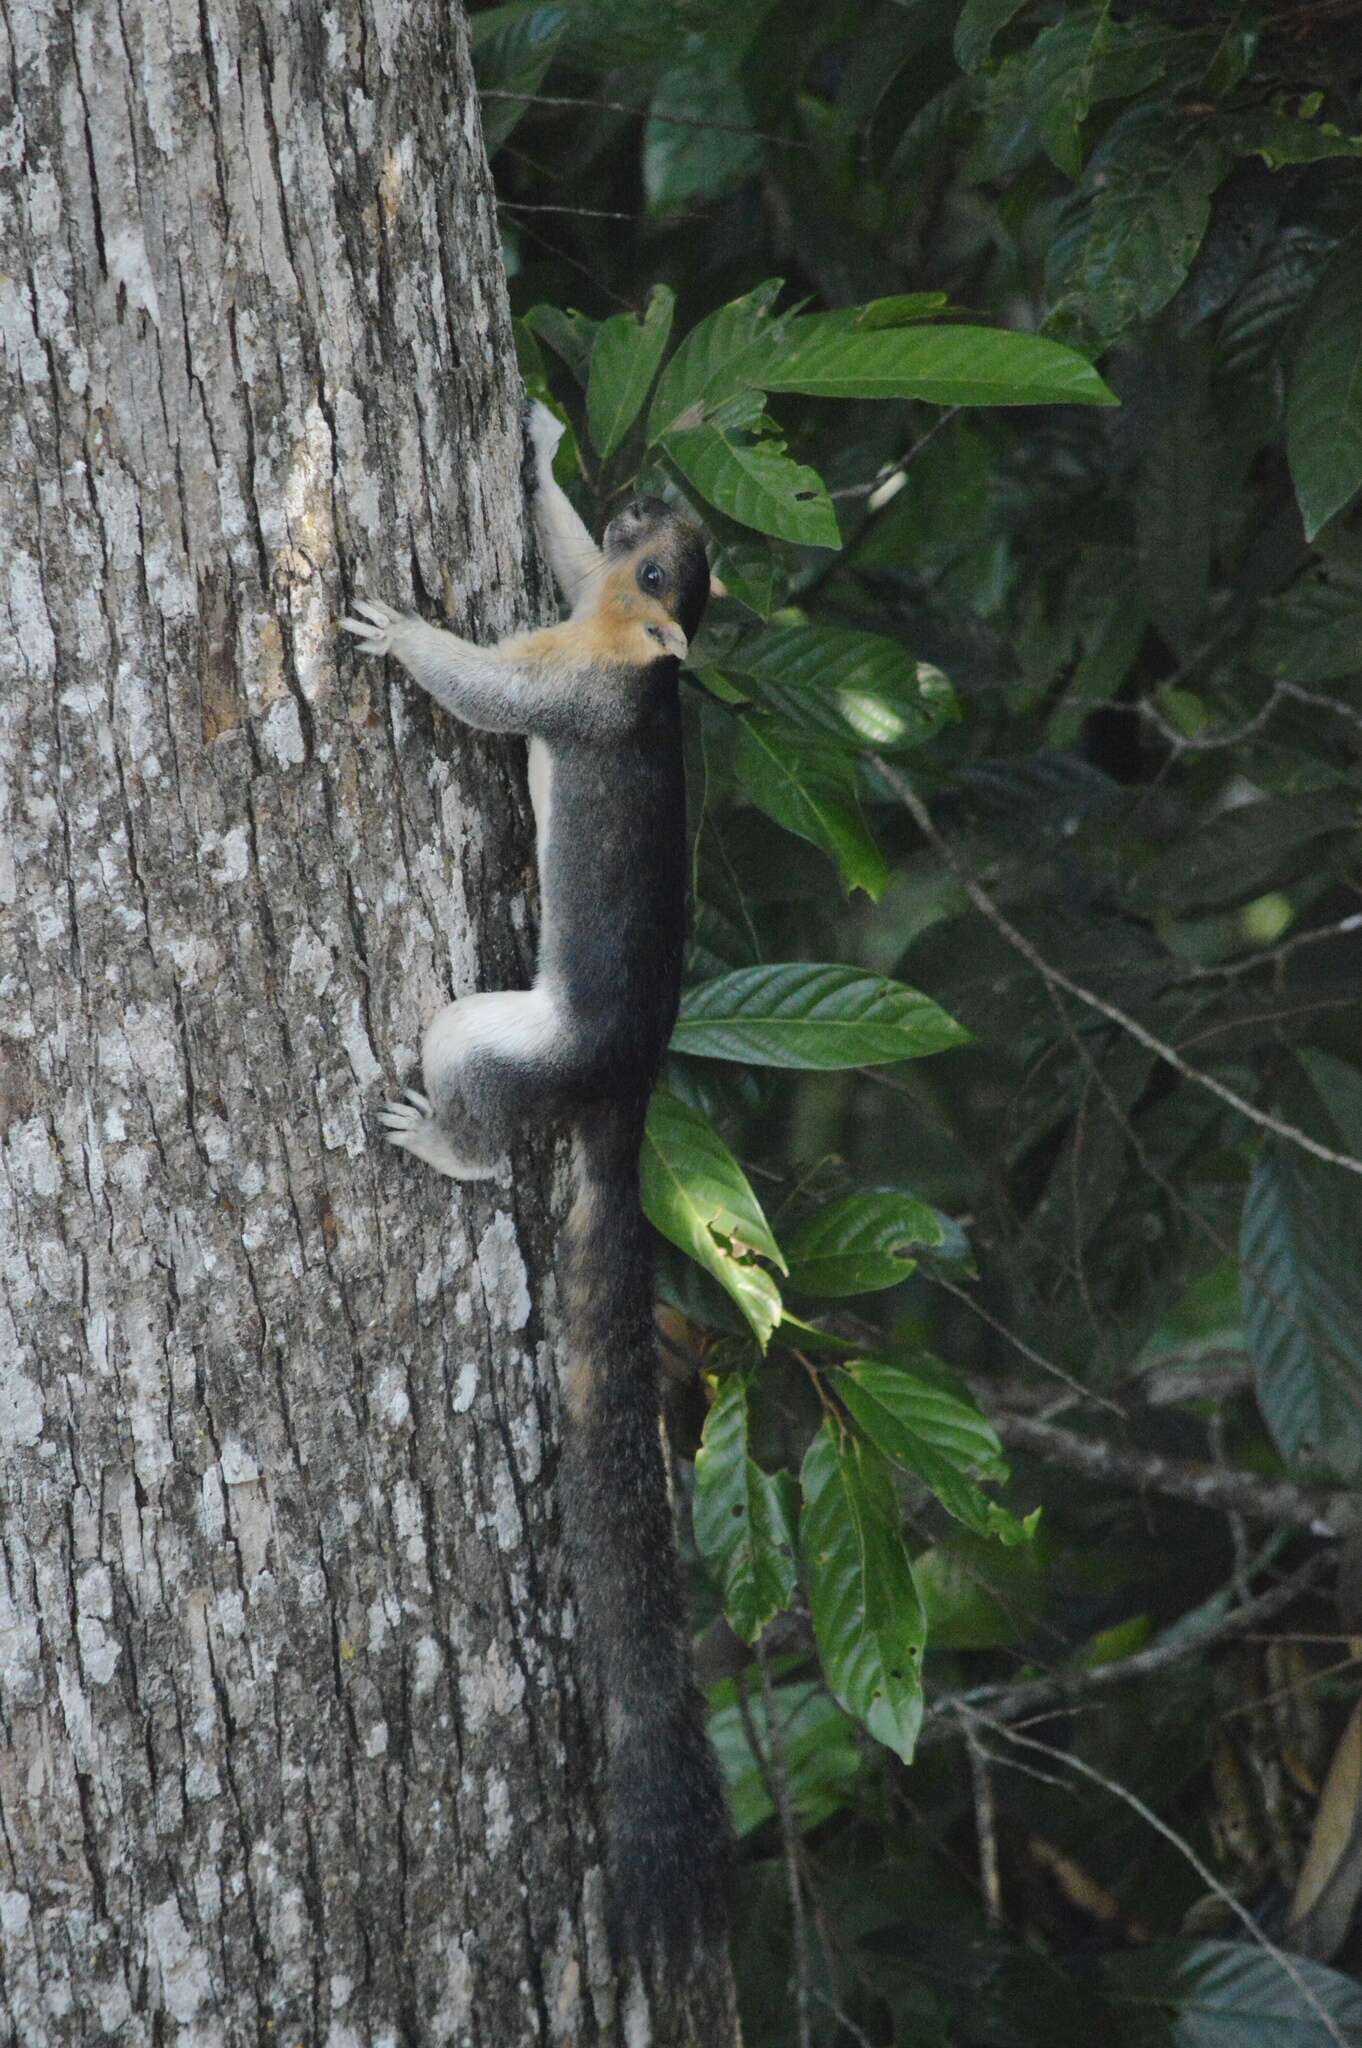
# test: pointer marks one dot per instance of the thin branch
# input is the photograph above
(789, 1837)
(1047, 1365)
(1224, 969)
(1064, 1689)
(1287, 1964)
(562, 99)
(1205, 1486)
(1055, 978)
(1210, 743)
(985, 1821)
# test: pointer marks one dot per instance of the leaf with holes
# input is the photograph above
(867, 1618)
(696, 1194)
(744, 1517)
(808, 1014)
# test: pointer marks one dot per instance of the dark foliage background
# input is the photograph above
(1064, 735)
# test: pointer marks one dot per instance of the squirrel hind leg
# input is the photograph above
(413, 1127)
(489, 1062)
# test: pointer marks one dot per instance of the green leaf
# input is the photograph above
(624, 362)
(861, 1243)
(943, 365)
(1175, 494)
(1312, 634)
(756, 483)
(829, 683)
(867, 1618)
(934, 1434)
(1231, 1994)
(818, 1747)
(1281, 137)
(1324, 400)
(979, 23)
(744, 1517)
(512, 49)
(1146, 203)
(696, 1194)
(570, 335)
(683, 160)
(721, 357)
(979, 1595)
(811, 791)
(1081, 60)
(820, 1017)
(1302, 1285)
(1243, 851)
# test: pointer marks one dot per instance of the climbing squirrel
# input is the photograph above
(599, 698)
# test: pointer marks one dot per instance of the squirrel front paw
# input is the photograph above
(546, 430)
(377, 629)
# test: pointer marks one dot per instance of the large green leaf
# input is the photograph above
(829, 683)
(944, 365)
(696, 1194)
(683, 159)
(756, 483)
(1302, 1282)
(813, 1015)
(810, 790)
(1324, 402)
(1232, 1994)
(1146, 200)
(867, 1618)
(721, 357)
(933, 1433)
(1313, 633)
(570, 335)
(861, 1243)
(1242, 851)
(512, 49)
(744, 1517)
(1080, 60)
(819, 1750)
(624, 362)
(979, 23)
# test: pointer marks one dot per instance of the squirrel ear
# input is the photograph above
(717, 588)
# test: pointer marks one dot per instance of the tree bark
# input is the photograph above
(292, 1747)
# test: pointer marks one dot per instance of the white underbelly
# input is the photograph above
(541, 797)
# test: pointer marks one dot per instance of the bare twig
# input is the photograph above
(562, 99)
(985, 1821)
(1064, 1689)
(1047, 1365)
(1056, 978)
(1286, 1964)
(1205, 1486)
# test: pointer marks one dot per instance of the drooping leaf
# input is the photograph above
(1080, 60)
(724, 355)
(1228, 1994)
(753, 481)
(810, 790)
(831, 684)
(570, 335)
(1324, 401)
(624, 362)
(933, 1433)
(863, 1242)
(683, 159)
(1302, 1284)
(979, 23)
(1139, 221)
(867, 1617)
(944, 365)
(819, 1750)
(744, 1517)
(1242, 851)
(512, 49)
(696, 1194)
(811, 1015)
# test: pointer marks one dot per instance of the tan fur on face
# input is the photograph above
(615, 635)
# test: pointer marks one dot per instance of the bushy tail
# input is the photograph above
(668, 1835)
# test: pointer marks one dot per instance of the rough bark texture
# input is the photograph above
(291, 1744)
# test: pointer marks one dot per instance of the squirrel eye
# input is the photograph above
(650, 576)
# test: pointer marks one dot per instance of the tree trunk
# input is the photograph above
(293, 1744)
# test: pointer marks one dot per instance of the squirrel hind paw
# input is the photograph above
(411, 1126)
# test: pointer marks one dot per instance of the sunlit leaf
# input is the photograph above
(696, 1194)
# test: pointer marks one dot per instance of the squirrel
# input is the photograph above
(598, 696)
